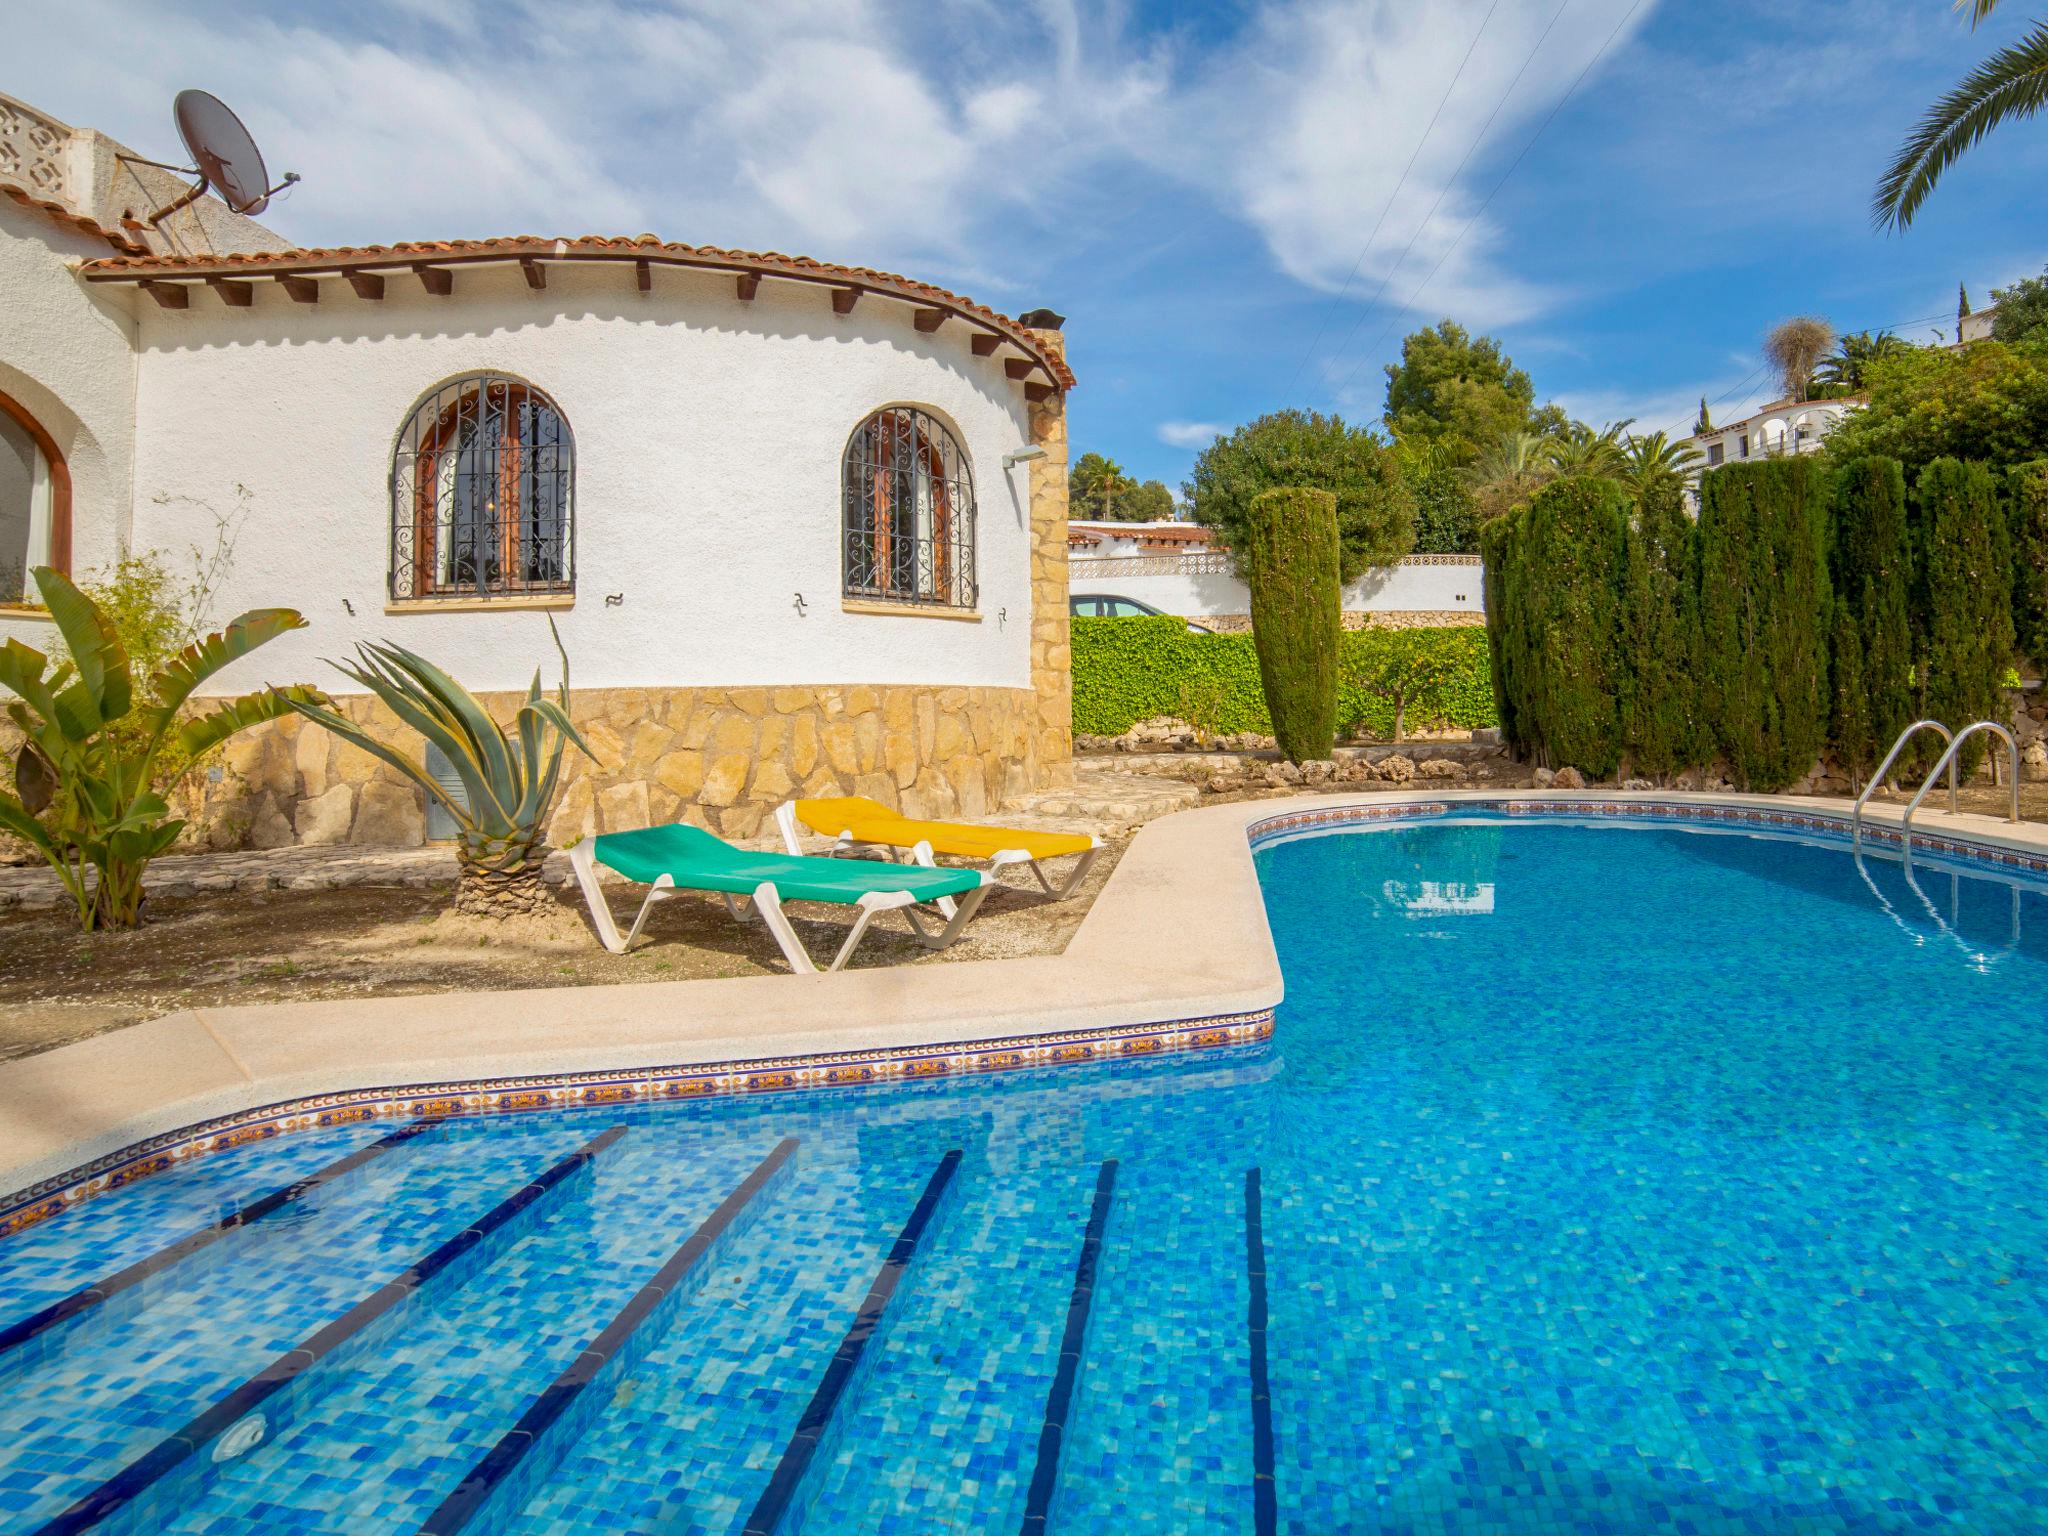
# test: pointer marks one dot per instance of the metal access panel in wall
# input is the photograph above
(440, 824)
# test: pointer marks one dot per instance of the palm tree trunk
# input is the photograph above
(486, 890)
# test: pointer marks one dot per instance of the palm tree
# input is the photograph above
(2011, 84)
(1655, 458)
(1579, 450)
(1096, 485)
(1847, 369)
(1508, 470)
(1795, 347)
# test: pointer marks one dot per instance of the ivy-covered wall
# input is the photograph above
(1127, 670)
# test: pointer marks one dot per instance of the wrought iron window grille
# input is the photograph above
(908, 513)
(483, 490)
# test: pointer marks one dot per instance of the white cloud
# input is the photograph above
(1189, 434)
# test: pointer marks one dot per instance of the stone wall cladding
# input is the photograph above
(720, 758)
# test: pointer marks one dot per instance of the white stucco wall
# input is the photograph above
(68, 356)
(709, 433)
(1194, 592)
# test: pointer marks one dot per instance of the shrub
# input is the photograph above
(1986, 401)
(1498, 552)
(509, 786)
(1408, 667)
(1558, 622)
(1870, 578)
(1763, 617)
(1446, 516)
(1302, 448)
(1127, 670)
(85, 776)
(1661, 727)
(1969, 594)
(2027, 523)
(1290, 561)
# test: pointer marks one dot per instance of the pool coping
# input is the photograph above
(1174, 955)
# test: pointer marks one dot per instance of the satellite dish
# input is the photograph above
(224, 157)
(220, 146)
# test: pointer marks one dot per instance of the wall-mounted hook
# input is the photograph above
(1002, 617)
(800, 605)
(351, 607)
(614, 599)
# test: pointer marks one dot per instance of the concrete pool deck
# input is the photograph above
(1175, 954)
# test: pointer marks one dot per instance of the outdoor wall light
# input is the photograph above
(1018, 456)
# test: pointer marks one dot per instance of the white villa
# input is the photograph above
(802, 526)
(1783, 426)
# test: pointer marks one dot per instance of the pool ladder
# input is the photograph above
(1954, 740)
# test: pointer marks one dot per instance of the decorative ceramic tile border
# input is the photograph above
(647, 1085)
(1828, 824)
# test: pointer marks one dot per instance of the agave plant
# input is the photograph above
(508, 780)
(84, 797)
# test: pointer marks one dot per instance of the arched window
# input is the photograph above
(483, 486)
(35, 504)
(908, 512)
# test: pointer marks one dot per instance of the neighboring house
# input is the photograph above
(776, 506)
(1783, 426)
(1177, 568)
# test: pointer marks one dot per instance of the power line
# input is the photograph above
(1449, 251)
(1452, 180)
(1892, 327)
(1323, 324)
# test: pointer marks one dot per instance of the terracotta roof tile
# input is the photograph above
(140, 263)
(119, 240)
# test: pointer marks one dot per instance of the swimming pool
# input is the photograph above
(1599, 1176)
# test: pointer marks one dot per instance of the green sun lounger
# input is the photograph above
(684, 858)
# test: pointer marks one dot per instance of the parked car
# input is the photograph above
(1106, 605)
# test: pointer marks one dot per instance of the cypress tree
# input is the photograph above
(2027, 518)
(1569, 611)
(1763, 617)
(1871, 576)
(1659, 658)
(1499, 548)
(1969, 594)
(1290, 557)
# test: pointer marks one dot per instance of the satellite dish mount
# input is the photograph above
(224, 158)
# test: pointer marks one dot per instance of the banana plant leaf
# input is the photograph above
(201, 659)
(95, 650)
(210, 730)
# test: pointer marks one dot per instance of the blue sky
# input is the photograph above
(1628, 194)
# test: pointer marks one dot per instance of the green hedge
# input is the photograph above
(1127, 670)
(1289, 559)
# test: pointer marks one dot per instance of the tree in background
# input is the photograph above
(1508, 471)
(2027, 519)
(1795, 347)
(1097, 487)
(1846, 371)
(1290, 553)
(1764, 616)
(2022, 311)
(1375, 511)
(1654, 462)
(1579, 450)
(1465, 389)
(1553, 622)
(1659, 647)
(1703, 423)
(1871, 641)
(2011, 84)
(1407, 666)
(1969, 597)
(1151, 502)
(1446, 518)
(1986, 401)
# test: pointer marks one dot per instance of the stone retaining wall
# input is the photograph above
(720, 758)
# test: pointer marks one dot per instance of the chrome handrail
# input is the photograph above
(1885, 767)
(1948, 761)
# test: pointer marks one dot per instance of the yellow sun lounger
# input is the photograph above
(854, 821)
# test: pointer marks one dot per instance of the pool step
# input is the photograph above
(494, 1487)
(1059, 1403)
(238, 1422)
(786, 1484)
(129, 1282)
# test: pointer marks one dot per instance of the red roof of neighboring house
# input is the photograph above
(143, 267)
(118, 239)
(1145, 535)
